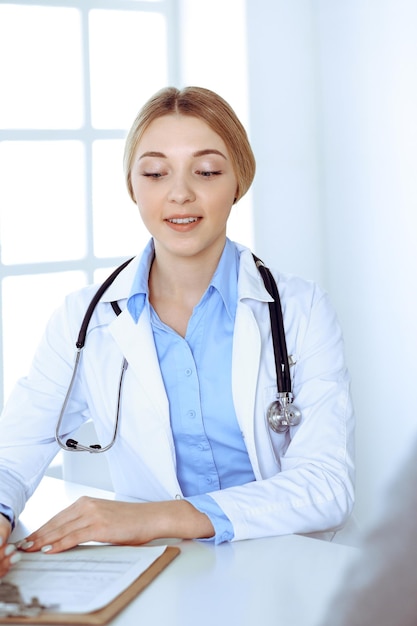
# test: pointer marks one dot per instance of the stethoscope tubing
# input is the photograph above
(71, 444)
(90, 310)
(277, 330)
(283, 377)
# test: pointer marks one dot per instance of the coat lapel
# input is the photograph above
(246, 355)
(137, 344)
(247, 347)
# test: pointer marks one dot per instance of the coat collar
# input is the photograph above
(250, 284)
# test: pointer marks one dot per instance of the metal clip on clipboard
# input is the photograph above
(13, 605)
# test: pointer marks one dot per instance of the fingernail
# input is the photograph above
(9, 549)
(15, 557)
(25, 545)
(46, 548)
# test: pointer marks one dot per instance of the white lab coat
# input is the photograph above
(304, 479)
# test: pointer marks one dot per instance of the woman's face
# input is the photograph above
(184, 185)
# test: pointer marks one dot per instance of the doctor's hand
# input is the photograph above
(122, 523)
(8, 554)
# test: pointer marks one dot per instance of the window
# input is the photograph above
(73, 74)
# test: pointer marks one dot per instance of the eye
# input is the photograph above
(208, 173)
(152, 174)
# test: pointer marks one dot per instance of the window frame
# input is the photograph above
(87, 135)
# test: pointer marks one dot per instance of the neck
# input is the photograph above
(183, 276)
(176, 284)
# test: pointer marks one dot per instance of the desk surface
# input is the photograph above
(279, 581)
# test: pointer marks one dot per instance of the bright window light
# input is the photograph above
(128, 70)
(41, 74)
(42, 201)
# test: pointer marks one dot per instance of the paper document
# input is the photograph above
(83, 579)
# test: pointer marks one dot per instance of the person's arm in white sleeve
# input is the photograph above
(314, 490)
(379, 589)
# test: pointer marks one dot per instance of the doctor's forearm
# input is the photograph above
(125, 523)
(179, 518)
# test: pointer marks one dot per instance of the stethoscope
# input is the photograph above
(281, 413)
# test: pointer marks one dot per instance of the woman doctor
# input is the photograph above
(193, 442)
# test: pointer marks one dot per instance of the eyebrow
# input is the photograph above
(198, 153)
(208, 151)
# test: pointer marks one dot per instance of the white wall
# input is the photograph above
(283, 124)
(214, 55)
(333, 102)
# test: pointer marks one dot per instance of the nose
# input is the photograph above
(181, 190)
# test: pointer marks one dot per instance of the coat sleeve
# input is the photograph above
(380, 585)
(308, 487)
(27, 424)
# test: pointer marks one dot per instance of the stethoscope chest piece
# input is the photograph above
(282, 413)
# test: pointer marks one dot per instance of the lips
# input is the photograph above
(182, 220)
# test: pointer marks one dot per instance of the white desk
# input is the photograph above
(280, 581)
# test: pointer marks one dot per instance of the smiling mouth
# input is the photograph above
(182, 220)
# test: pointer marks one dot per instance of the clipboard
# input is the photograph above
(108, 612)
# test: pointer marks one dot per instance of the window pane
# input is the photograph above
(118, 229)
(101, 274)
(40, 68)
(42, 201)
(28, 303)
(127, 70)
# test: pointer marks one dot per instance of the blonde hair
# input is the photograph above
(210, 108)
